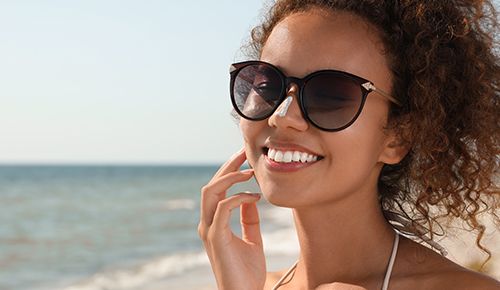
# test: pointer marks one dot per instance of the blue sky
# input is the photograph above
(92, 81)
(119, 81)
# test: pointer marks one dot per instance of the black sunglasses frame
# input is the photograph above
(365, 88)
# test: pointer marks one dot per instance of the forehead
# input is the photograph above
(316, 39)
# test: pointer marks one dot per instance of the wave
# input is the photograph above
(177, 204)
(143, 274)
(281, 242)
(278, 215)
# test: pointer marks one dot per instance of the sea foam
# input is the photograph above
(143, 274)
(178, 204)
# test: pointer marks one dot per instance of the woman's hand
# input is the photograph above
(238, 263)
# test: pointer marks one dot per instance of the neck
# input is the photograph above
(340, 244)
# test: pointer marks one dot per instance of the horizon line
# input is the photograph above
(104, 163)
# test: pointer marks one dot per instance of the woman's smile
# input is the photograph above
(289, 157)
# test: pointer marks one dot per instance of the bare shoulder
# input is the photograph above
(461, 279)
(467, 279)
(421, 268)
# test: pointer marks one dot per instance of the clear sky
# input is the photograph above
(119, 81)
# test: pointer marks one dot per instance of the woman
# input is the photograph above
(368, 119)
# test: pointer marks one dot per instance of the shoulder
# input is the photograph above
(458, 279)
(422, 268)
(466, 279)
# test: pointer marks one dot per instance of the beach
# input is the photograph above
(114, 227)
(201, 278)
(135, 227)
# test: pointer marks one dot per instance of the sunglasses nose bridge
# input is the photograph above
(293, 85)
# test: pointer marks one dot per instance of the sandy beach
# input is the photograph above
(201, 278)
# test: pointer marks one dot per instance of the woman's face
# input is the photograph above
(351, 159)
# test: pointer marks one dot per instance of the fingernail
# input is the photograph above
(256, 195)
(247, 171)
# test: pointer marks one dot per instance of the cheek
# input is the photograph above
(247, 130)
(362, 139)
(352, 152)
(355, 150)
(253, 137)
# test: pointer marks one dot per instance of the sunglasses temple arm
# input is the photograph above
(371, 87)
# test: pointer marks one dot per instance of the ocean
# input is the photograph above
(108, 227)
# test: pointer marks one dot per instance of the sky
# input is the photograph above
(120, 81)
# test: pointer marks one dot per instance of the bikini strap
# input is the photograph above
(388, 272)
(278, 284)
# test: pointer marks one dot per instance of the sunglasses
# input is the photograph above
(331, 100)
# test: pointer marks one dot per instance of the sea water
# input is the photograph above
(107, 227)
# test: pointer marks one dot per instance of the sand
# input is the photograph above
(201, 278)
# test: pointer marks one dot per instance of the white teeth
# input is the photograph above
(271, 153)
(290, 156)
(303, 157)
(278, 157)
(287, 157)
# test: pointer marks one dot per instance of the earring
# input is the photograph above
(284, 106)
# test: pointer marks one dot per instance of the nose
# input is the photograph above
(289, 115)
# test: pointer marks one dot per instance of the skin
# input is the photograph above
(345, 242)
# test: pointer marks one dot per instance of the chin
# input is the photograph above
(282, 196)
(279, 200)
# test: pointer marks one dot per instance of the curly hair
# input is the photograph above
(445, 64)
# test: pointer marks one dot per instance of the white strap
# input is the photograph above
(278, 284)
(388, 272)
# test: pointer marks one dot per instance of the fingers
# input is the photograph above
(222, 215)
(215, 191)
(215, 210)
(250, 223)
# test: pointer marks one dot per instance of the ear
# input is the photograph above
(394, 150)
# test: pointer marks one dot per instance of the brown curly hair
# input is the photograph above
(445, 64)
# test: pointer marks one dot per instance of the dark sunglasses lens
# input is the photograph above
(332, 101)
(257, 90)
